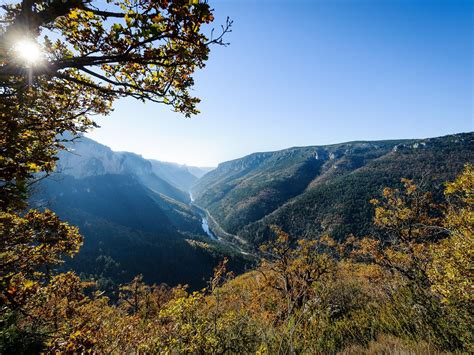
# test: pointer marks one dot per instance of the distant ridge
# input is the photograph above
(87, 157)
(310, 191)
(180, 176)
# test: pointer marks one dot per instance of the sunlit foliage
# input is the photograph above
(78, 58)
(92, 53)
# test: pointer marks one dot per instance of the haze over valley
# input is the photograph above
(131, 209)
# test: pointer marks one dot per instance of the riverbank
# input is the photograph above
(212, 228)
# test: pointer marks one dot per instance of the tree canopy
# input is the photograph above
(413, 295)
(89, 53)
(61, 63)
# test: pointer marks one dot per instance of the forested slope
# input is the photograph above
(129, 229)
(312, 191)
(133, 220)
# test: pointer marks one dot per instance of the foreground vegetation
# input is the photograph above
(407, 288)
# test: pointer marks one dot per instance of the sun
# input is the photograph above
(27, 51)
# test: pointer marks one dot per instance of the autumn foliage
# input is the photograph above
(90, 54)
(317, 296)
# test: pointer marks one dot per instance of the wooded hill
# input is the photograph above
(311, 191)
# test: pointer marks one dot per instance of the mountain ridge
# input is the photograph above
(86, 157)
(246, 195)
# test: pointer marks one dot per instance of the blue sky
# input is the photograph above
(302, 72)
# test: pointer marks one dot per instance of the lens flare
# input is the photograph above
(27, 51)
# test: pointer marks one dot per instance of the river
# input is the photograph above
(205, 228)
(204, 222)
(221, 235)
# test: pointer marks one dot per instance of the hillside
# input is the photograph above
(181, 176)
(175, 174)
(89, 158)
(310, 191)
(128, 230)
(133, 221)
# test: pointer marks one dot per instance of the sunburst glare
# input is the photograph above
(28, 51)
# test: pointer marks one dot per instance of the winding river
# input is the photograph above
(205, 228)
(220, 234)
(204, 222)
